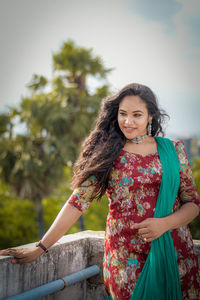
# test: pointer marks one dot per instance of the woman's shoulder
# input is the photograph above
(179, 144)
(175, 142)
(181, 150)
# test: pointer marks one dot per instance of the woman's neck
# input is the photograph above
(147, 146)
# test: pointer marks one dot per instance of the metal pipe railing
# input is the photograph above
(57, 285)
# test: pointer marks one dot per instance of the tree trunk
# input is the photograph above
(40, 217)
(81, 223)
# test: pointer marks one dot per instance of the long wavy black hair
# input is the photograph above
(106, 141)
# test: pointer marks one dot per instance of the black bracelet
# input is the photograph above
(42, 246)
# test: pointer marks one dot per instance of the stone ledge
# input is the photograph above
(72, 253)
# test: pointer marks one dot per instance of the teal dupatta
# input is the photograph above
(159, 278)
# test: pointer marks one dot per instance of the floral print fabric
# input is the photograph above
(132, 192)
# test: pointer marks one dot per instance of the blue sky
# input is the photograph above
(154, 42)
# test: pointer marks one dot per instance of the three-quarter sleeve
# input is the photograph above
(82, 196)
(187, 189)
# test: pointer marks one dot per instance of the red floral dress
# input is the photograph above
(132, 191)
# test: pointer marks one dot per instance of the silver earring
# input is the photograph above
(149, 128)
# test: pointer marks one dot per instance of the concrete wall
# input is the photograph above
(71, 254)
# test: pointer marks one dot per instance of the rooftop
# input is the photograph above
(72, 253)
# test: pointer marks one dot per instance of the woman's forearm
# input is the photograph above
(64, 220)
(182, 216)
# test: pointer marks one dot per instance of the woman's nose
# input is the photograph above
(129, 121)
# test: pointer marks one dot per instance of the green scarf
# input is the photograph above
(159, 278)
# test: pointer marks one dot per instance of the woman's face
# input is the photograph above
(133, 116)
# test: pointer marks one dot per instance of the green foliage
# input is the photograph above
(195, 224)
(196, 171)
(55, 122)
(4, 123)
(94, 217)
(37, 83)
(18, 220)
(195, 228)
(78, 62)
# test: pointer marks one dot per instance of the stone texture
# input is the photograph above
(71, 254)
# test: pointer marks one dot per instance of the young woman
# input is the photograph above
(152, 197)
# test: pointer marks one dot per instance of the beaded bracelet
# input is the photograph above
(39, 244)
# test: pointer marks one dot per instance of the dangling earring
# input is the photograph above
(149, 128)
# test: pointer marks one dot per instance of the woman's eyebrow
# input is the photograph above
(122, 110)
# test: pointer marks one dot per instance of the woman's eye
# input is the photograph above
(135, 115)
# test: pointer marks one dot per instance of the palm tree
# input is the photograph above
(76, 63)
(56, 123)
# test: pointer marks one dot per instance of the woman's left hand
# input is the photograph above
(151, 228)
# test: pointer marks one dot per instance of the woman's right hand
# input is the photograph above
(22, 255)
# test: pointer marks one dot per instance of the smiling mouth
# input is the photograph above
(129, 129)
